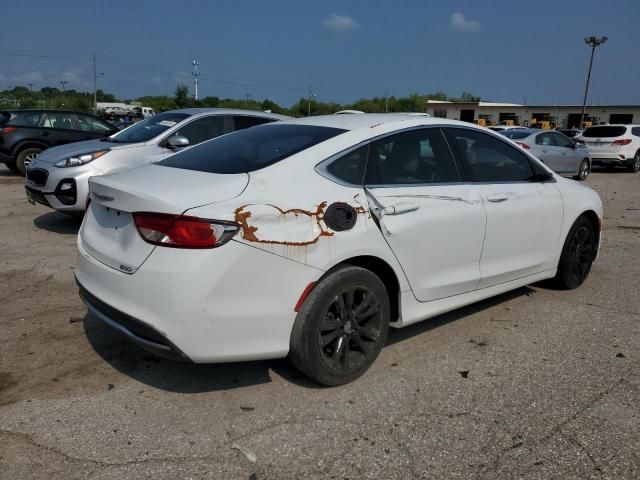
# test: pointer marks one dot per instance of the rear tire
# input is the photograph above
(578, 253)
(583, 170)
(25, 157)
(635, 166)
(341, 327)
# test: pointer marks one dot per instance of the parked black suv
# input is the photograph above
(25, 133)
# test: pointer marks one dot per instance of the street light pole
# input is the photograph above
(63, 83)
(95, 87)
(593, 42)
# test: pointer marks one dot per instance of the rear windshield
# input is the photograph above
(604, 131)
(251, 149)
(516, 133)
(148, 128)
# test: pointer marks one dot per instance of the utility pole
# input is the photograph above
(593, 42)
(95, 87)
(386, 101)
(196, 74)
(311, 96)
(248, 95)
(63, 83)
(30, 86)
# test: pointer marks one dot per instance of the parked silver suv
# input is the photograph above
(59, 177)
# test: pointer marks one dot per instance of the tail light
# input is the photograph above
(182, 231)
(5, 130)
(624, 141)
(524, 145)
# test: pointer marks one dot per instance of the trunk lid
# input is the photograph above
(109, 233)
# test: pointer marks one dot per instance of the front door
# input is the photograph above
(523, 212)
(433, 223)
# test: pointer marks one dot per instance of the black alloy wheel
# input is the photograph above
(341, 327)
(578, 254)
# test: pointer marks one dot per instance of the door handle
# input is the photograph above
(544, 151)
(44, 134)
(400, 208)
(498, 197)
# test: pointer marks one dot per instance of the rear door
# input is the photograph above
(433, 222)
(524, 214)
(544, 147)
(58, 128)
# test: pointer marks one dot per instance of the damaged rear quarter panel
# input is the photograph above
(282, 212)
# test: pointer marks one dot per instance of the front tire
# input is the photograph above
(635, 166)
(583, 170)
(341, 327)
(578, 253)
(25, 157)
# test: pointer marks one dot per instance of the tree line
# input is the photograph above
(50, 97)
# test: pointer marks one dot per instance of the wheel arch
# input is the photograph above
(380, 268)
(28, 144)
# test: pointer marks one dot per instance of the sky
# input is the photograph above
(513, 51)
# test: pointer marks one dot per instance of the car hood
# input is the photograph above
(55, 154)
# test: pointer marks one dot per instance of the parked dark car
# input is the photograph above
(25, 133)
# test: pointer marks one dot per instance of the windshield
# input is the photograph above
(604, 131)
(148, 128)
(251, 149)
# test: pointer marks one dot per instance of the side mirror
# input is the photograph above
(177, 141)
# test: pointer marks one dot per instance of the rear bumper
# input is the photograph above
(138, 332)
(231, 303)
(611, 161)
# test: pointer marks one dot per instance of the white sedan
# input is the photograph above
(310, 237)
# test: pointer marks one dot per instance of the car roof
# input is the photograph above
(616, 125)
(43, 110)
(370, 120)
(227, 111)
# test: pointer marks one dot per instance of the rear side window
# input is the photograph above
(245, 121)
(414, 157)
(60, 120)
(515, 134)
(546, 139)
(251, 149)
(603, 131)
(635, 131)
(488, 159)
(350, 167)
(24, 119)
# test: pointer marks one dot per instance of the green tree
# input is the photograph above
(181, 96)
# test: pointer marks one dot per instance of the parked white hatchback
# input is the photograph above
(613, 145)
(310, 237)
(59, 176)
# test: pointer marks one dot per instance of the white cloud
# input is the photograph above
(340, 23)
(461, 24)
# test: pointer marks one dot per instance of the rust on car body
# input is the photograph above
(250, 230)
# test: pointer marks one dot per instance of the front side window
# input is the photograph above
(202, 129)
(489, 159)
(251, 149)
(245, 121)
(59, 120)
(562, 141)
(149, 128)
(413, 157)
(91, 124)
